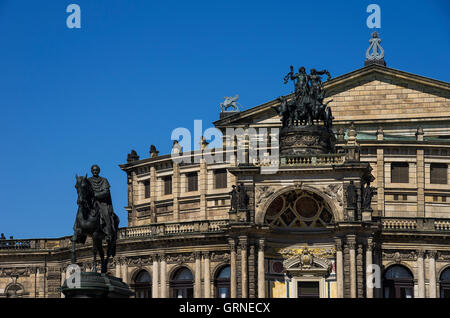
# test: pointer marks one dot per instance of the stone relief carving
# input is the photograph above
(335, 192)
(15, 271)
(140, 261)
(399, 256)
(443, 256)
(307, 261)
(180, 258)
(220, 257)
(263, 193)
(318, 252)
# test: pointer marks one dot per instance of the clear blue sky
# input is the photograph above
(138, 69)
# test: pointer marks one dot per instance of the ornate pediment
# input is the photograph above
(306, 261)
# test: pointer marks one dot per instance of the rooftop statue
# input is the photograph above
(230, 102)
(377, 54)
(95, 217)
(307, 105)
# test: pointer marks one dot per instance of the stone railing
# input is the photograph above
(157, 230)
(415, 224)
(442, 225)
(35, 244)
(399, 224)
(169, 229)
(312, 160)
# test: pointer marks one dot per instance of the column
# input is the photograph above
(207, 279)
(432, 273)
(198, 276)
(124, 262)
(38, 283)
(339, 269)
(63, 278)
(203, 187)
(118, 267)
(261, 278)
(153, 187)
(244, 279)
(155, 278)
(420, 274)
(175, 190)
(163, 285)
(351, 242)
(420, 175)
(233, 283)
(369, 272)
(380, 174)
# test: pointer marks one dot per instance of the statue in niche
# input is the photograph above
(242, 197)
(234, 199)
(351, 195)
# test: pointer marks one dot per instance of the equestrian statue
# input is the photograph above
(95, 217)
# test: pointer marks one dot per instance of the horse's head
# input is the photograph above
(84, 189)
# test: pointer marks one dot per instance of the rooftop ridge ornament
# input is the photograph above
(230, 102)
(377, 55)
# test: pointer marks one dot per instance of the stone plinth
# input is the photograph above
(305, 140)
(96, 285)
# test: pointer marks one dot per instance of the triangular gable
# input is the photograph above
(370, 94)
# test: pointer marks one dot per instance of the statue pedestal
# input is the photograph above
(96, 285)
(306, 140)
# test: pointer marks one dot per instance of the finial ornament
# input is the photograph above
(377, 55)
(230, 102)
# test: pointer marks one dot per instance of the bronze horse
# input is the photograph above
(88, 222)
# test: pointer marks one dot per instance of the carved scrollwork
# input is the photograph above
(263, 193)
(180, 258)
(16, 272)
(399, 256)
(222, 257)
(443, 256)
(335, 192)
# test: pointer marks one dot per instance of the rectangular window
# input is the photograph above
(438, 173)
(192, 181)
(147, 189)
(308, 290)
(399, 172)
(167, 185)
(220, 178)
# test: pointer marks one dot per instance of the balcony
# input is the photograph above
(312, 160)
(146, 231)
(393, 224)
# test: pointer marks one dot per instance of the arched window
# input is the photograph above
(299, 209)
(182, 283)
(14, 291)
(444, 282)
(222, 282)
(143, 285)
(398, 282)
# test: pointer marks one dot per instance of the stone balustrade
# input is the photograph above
(442, 225)
(312, 160)
(399, 224)
(415, 224)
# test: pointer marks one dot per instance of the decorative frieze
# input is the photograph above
(399, 256)
(180, 258)
(222, 257)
